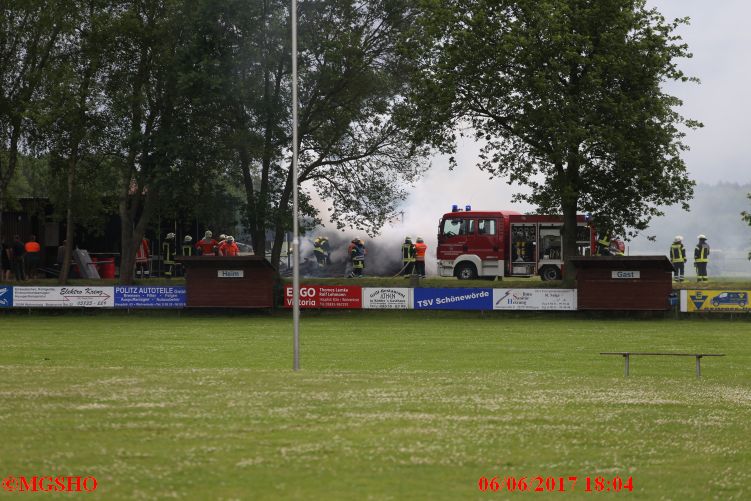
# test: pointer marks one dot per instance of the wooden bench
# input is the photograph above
(627, 354)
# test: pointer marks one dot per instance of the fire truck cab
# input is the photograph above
(489, 244)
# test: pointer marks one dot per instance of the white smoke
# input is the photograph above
(419, 215)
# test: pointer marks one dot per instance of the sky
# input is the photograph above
(720, 42)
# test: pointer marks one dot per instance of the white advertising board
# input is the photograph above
(534, 299)
(64, 297)
(394, 298)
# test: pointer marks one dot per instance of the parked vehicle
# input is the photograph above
(489, 244)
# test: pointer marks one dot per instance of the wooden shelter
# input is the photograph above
(623, 282)
(228, 282)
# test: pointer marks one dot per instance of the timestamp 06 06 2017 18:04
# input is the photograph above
(556, 484)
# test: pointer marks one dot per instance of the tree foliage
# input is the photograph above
(567, 97)
(351, 80)
(168, 101)
(30, 38)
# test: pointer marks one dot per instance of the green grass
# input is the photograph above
(389, 405)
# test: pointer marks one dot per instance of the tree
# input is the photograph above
(352, 77)
(30, 33)
(72, 116)
(567, 97)
(162, 134)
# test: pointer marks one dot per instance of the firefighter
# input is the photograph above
(168, 255)
(206, 245)
(701, 259)
(229, 247)
(678, 258)
(420, 249)
(187, 249)
(222, 239)
(617, 247)
(143, 255)
(357, 255)
(603, 244)
(321, 250)
(408, 257)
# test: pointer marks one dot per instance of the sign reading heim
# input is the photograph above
(230, 273)
(326, 296)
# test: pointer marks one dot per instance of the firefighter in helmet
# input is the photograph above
(229, 247)
(420, 250)
(357, 256)
(187, 249)
(408, 257)
(701, 259)
(206, 245)
(168, 255)
(678, 258)
(321, 250)
(603, 244)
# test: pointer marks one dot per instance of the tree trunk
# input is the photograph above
(279, 229)
(569, 204)
(255, 223)
(67, 255)
(133, 228)
(8, 175)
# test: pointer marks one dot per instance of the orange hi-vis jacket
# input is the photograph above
(420, 249)
(229, 249)
(206, 246)
(32, 247)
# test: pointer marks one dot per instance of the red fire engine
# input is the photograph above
(491, 244)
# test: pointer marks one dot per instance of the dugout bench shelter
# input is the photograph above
(228, 281)
(623, 282)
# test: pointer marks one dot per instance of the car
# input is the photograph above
(739, 298)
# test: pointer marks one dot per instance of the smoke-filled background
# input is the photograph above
(714, 211)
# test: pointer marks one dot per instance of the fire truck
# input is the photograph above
(490, 244)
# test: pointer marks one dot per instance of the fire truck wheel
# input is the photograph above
(466, 271)
(550, 273)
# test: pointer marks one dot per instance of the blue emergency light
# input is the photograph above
(468, 208)
(454, 208)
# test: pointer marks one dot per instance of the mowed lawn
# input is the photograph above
(388, 405)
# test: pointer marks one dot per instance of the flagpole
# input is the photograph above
(295, 236)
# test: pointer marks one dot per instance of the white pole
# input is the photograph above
(295, 236)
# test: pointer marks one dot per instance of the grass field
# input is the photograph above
(389, 405)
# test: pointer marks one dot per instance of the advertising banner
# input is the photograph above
(534, 299)
(64, 297)
(715, 300)
(326, 296)
(150, 297)
(453, 299)
(6, 296)
(388, 298)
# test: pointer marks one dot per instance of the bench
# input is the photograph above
(627, 355)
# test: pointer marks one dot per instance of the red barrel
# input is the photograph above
(107, 268)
